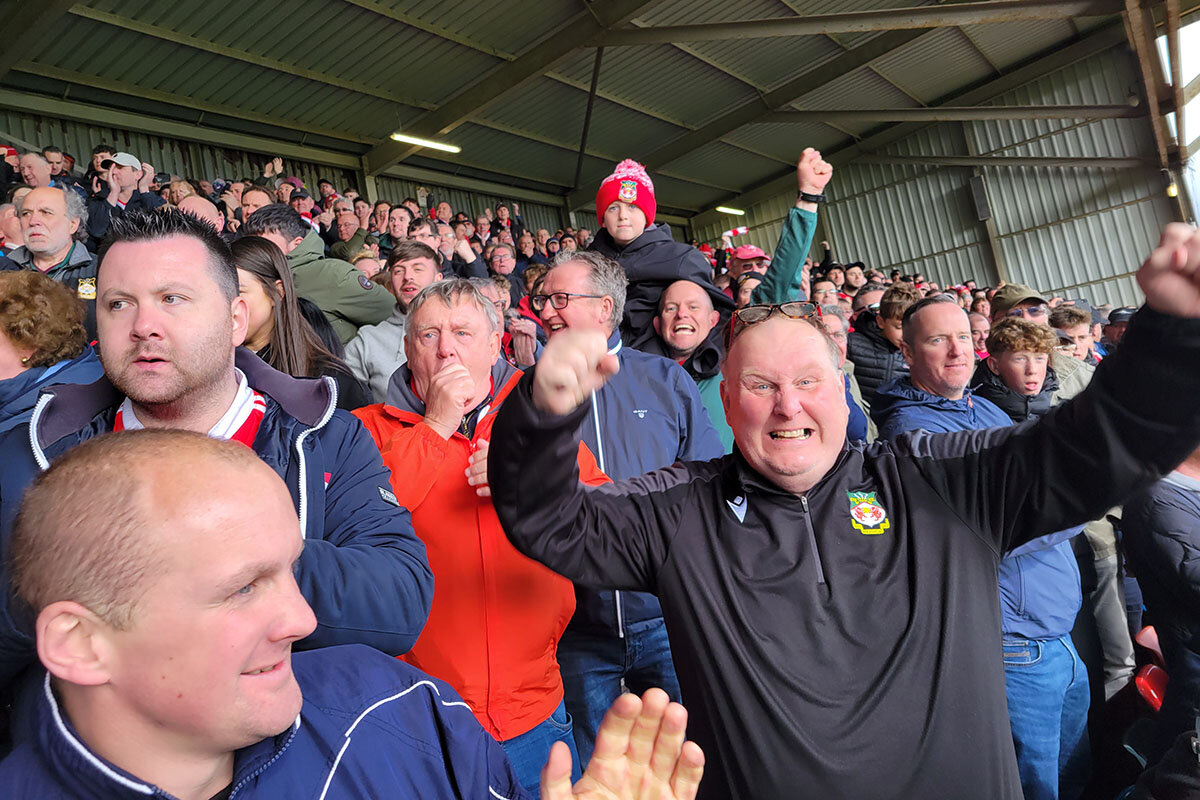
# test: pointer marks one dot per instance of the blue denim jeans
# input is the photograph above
(528, 752)
(594, 666)
(1047, 689)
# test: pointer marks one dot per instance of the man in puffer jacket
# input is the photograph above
(1045, 680)
(874, 344)
(652, 259)
(1161, 529)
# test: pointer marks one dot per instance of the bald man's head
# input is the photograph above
(93, 529)
(202, 208)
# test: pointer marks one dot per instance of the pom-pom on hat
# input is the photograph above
(629, 183)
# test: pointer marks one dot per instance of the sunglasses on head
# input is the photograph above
(751, 315)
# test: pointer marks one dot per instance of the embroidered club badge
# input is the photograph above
(86, 289)
(627, 192)
(866, 514)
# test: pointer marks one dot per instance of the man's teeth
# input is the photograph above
(803, 433)
(557, 327)
(261, 671)
(683, 328)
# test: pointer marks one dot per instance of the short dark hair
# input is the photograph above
(407, 249)
(258, 188)
(51, 149)
(164, 223)
(916, 307)
(276, 218)
(103, 147)
(422, 222)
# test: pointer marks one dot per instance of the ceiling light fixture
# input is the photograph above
(737, 212)
(419, 142)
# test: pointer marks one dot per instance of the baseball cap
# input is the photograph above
(124, 159)
(301, 193)
(748, 251)
(1123, 314)
(7, 150)
(1011, 295)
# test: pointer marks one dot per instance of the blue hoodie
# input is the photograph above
(370, 726)
(1039, 581)
(18, 394)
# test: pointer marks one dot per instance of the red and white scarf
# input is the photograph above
(240, 423)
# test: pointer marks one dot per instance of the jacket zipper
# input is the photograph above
(812, 539)
(600, 463)
(303, 470)
(242, 783)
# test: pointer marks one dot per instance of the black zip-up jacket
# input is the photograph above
(876, 360)
(823, 658)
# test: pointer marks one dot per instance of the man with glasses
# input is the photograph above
(378, 350)
(648, 416)
(833, 606)
(503, 262)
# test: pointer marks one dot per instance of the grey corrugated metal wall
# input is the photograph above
(534, 215)
(1074, 232)
(186, 159)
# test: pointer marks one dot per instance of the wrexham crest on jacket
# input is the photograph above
(866, 514)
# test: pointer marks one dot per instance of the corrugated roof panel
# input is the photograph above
(787, 140)
(512, 26)
(617, 129)
(513, 155)
(694, 12)
(663, 78)
(682, 194)
(1008, 43)
(723, 165)
(768, 63)
(862, 88)
(920, 67)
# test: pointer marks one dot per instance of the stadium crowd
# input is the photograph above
(519, 494)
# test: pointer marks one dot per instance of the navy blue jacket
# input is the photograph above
(363, 569)
(370, 726)
(1161, 532)
(1039, 581)
(648, 416)
(19, 394)
(876, 360)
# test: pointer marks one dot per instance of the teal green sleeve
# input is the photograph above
(782, 281)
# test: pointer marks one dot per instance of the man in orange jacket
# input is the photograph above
(497, 616)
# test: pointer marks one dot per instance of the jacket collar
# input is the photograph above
(402, 398)
(78, 254)
(67, 408)
(68, 756)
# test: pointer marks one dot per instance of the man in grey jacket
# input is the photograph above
(378, 350)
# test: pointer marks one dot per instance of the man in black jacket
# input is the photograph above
(832, 606)
(1161, 529)
(874, 344)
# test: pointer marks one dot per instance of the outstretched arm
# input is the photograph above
(783, 279)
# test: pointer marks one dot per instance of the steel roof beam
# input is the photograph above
(509, 76)
(769, 101)
(1176, 58)
(1141, 31)
(166, 34)
(28, 27)
(954, 114)
(1059, 57)
(990, 11)
(1007, 161)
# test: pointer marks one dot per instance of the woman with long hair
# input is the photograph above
(278, 332)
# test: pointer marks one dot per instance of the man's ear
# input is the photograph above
(73, 643)
(991, 362)
(240, 312)
(713, 318)
(657, 321)
(907, 352)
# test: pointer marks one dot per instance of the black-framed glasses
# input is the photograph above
(751, 315)
(558, 299)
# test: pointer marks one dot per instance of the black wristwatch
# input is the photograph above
(812, 198)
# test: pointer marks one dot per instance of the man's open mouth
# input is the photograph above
(798, 433)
